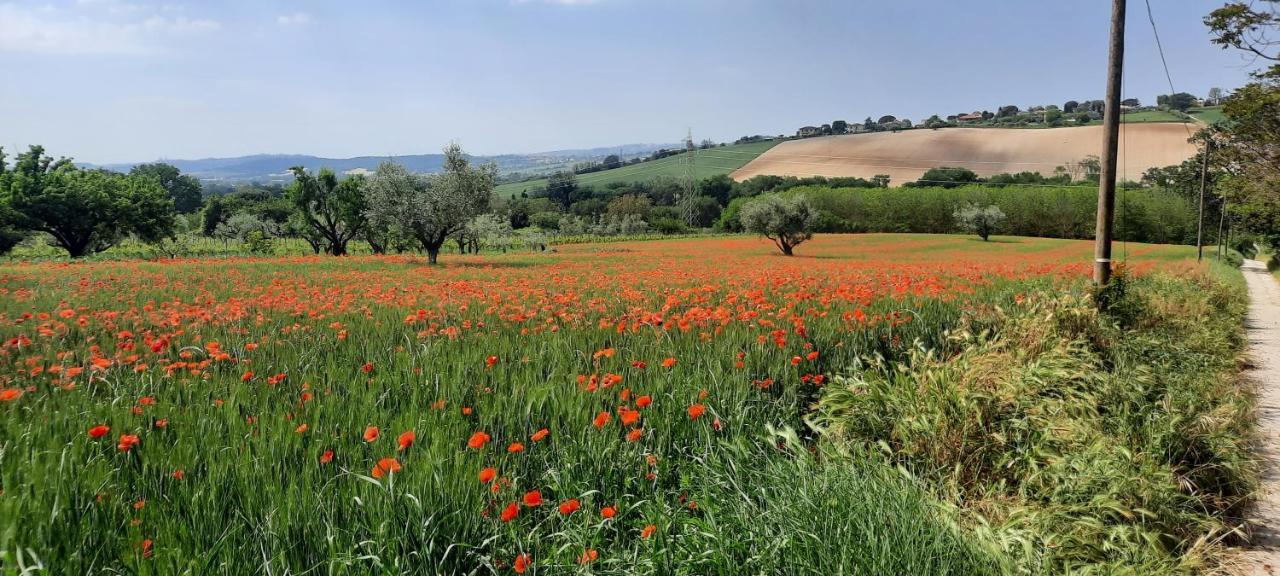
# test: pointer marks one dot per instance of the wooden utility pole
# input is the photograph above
(1110, 146)
(1204, 169)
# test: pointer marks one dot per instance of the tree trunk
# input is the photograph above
(786, 248)
(433, 254)
(338, 249)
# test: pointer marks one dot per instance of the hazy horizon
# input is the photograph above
(113, 81)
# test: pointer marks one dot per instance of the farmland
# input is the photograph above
(710, 162)
(636, 407)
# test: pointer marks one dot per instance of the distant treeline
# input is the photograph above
(1142, 215)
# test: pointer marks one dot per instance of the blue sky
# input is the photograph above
(130, 80)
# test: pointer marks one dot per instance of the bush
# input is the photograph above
(545, 220)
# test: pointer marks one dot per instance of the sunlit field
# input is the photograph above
(611, 408)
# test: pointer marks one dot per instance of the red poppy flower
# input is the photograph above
(179, 474)
(608, 512)
(635, 435)
(515, 447)
(301, 429)
(570, 506)
(406, 440)
(367, 368)
(510, 512)
(644, 401)
(385, 466)
(371, 434)
(477, 440)
(522, 563)
(99, 431)
(10, 394)
(648, 531)
(540, 435)
(487, 475)
(602, 419)
(696, 410)
(490, 361)
(588, 556)
(628, 416)
(669, 363)
(127, 442)
(326, 457)
(533, 498)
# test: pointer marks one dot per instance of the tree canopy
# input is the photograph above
(333, 209)
(788, 221)
(183, 189)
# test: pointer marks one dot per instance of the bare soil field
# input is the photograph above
(904, 156)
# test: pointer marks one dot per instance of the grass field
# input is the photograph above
(617, 408)
(1152, 116)
(1208, 115)
(710, 162)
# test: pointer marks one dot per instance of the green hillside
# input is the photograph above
(709, 162)
(1152, 116)
(1210, 115)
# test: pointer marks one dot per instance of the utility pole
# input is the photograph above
(687, 202)
(1204, 169)
(1110, 146)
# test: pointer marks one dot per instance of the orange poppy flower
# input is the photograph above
(10, 394)
(385, 466)
(99, 431)
(371, 434)
(602, 419)
(301, 429)
(635, 435)
(608, 512)
(179, 474)
(522, 563)
(490, 361)
(487, 475)
(570, 506)
(367, 368)
(127, 442)
(326, 457)
(669, 363)
(533, 498)
(540, 435)
(644, 401)
(588, 556)
(478, 440)
(510, 512)
(696, 410)
(515, 447)
(648, 531)
(406, 440)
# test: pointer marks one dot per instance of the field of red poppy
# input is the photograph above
(611, 408)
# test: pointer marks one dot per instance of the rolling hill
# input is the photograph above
(906, 155)
(709, 162)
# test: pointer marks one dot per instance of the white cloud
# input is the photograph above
(88, 31)
(295, 19)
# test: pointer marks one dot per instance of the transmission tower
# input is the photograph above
(688, 201)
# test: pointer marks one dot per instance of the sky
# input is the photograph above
(108, 81)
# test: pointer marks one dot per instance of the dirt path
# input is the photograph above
(1263, 326)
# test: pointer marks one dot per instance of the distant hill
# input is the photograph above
(906, 155)
(275, 167)
(707, 162)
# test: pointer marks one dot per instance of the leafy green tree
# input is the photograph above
(562, 187)
(611, 161)
(430, 209)
(786, 221)
(629, 204)
(215, 213)
(719, 187)
(1180, 101)
(183, 189)
(85, 211)
(332, 208)
(1070, 106)
(839, 127)
(947, 177)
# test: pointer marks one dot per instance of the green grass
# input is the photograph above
(710, 162)
(1209, 115)
(1152, 116)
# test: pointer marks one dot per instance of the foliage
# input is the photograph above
(788, 221)
(183, 189)
(84, 211)
(333, 209)
(430, 209)
(978, 219)
(1085, 442)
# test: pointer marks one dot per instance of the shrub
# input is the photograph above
(786, 221)
(977, 219)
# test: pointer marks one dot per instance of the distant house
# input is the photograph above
(808, 131)
(970, 117)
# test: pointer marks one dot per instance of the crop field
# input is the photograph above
(709, 162)
(614, 408)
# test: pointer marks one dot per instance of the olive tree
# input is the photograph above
(333, 209)
(430, 208)
(787, 221)
(977, 219)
